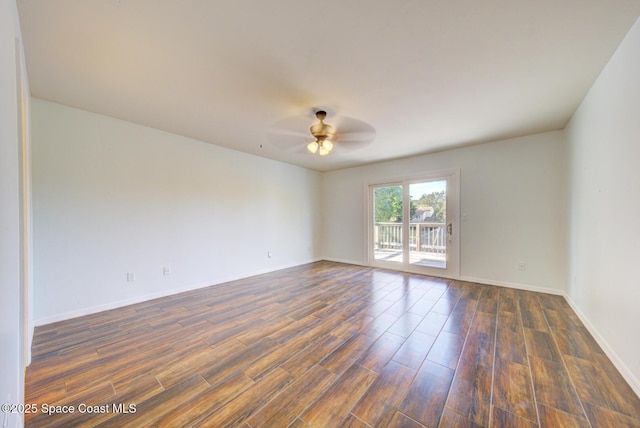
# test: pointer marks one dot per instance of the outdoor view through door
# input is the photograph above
(387, 224)
(412, 225)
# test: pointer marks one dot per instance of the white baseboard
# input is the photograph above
(485, 281)
(515, 285)
(345, 261)
(117, 304)
(626, 373)
(164, 293)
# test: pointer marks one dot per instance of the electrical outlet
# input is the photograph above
(131, 276)
(268, 254)
(522, 266)
(166, 271)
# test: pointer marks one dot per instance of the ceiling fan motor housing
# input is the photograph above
(321, 130)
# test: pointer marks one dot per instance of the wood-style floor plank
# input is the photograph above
(243, 406)
(331, 345)
(288, 405)
(603, 417)
(414, 350)
(550, 417)
(513, 397)
(337, 400)
(502, 418)
(381, 400)
(451, 419)
(207, 402)
(428, 393)
(553, 387)
(380, 352)
(470, 393)
(446, 349)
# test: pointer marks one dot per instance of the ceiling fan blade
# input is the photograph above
(290, 133)
(354, 133)
(355, 140)
(346, 125)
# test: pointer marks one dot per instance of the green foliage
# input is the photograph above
(388, 204)
(436, 200)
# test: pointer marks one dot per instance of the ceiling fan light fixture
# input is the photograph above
(313, 146)
(325, 146)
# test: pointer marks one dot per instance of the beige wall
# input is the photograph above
(604, 205)
(112, 198)
(512, 192)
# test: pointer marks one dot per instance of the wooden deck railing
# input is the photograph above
(423, 237)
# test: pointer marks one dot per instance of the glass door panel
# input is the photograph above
(428, 224)
(387, 224)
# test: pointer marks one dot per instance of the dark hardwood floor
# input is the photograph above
(330, 345)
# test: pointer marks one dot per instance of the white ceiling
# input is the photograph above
(423, 74)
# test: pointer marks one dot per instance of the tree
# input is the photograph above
(437, 201)
(388, 204)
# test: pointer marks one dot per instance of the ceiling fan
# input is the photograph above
(322, 137)
(323, 133)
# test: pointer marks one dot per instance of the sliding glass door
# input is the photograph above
(413, 225)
